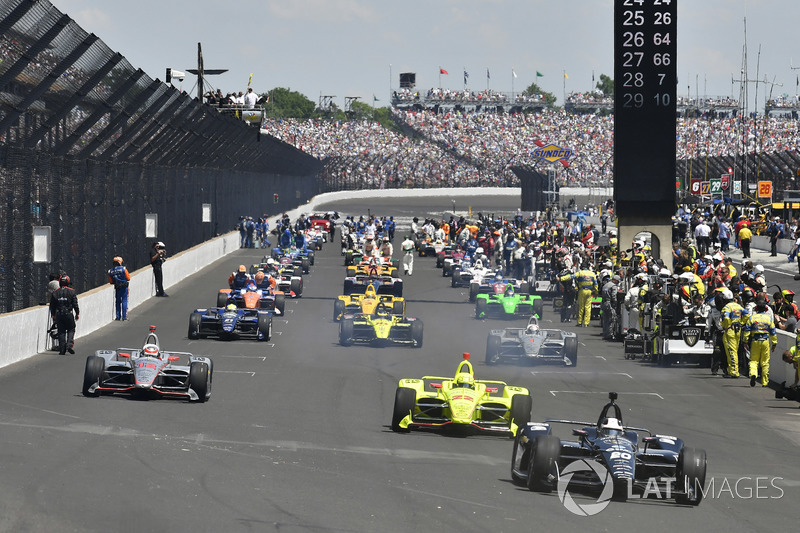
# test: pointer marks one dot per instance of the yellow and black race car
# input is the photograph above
(376, 266)
(380, 329)
(367, 303)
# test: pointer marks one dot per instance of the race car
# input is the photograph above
(230, 322)
(532, 344)
(461, 402)
(253, 298)
(488, 285)
(660, 464)
(505, 302)
(425, 245)
(367, 303)
(148, 372)
(383, 284)
(463, 275)
(302, 258)
(380, 329)
(376, 266)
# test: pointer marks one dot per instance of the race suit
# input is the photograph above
(734, 318)
(587, 284)
(609, 308)
(759, 331)
(408, 256)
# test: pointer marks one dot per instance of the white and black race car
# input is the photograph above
(532, 344)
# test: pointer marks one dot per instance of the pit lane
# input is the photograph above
(296, 437)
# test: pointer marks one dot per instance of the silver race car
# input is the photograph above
(148, 372)
(532, 344)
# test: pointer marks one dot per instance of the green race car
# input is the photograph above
(504, 302)
(380, 329)
(460, 402)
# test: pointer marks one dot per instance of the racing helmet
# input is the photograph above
(242, 269)
(727, 294)
(270, 261)
(251, 285)
(64, 281)
(259, 277)
(465, 380)
(230, 307)
(788, 295)
(479, 250)
(498, 275)
(533, 327)
(150, 350)
(509, 290)
(478, 264)
(610, 427)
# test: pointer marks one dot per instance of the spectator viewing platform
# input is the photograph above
(466, 99)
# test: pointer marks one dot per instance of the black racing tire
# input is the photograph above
(571, 350)
(480, 308)
(416, 333)
(404, 401)
(265, 327)
(350, 272)
(348, 258)
(439, 261)
(493, 349)
(518, 448)
(399, 308)
(92, 374)
(338, 310)
(524, 288)
(538, 308)
(620, 493)
(280, 303)
(296, 286)
(521, 406)
(444, 271)
(195, 319)
(473, 291)
(545, 453)
(222, 299)
(397, 289)
(305, 264)
(453, 282)
(348, 287)
(346, 332)
(691, 475)
(199, 380)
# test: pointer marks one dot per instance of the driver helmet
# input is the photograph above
(727, 294)
(479, 250)
(509, 290)
(270, 261)
(478, 264)
(610, 427)
(465, 380)
(230, 307)
(150, 350)
(532, 328)
(498, 275)
(251, 285)
(788, 295)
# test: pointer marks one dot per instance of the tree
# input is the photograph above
(606, 85)
(549, 98)
(285, 103)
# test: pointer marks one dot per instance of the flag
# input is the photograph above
(565, 76)
(487, 74)
(375, 98)
(443, 71)
(466, 75)
(539, 74)
(250, 80)
(513, 73)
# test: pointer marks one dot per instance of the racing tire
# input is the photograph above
(195, 319)
(200, 380)
(691, 475)
(416, 333)
(620, 492)
(518, 448)
(398, 308)
(274, 254)
(473, 291)
(404, 401)
(280, 303)
(571, 350)
(348, 287)
(453, 282)
(545, 453)
(397, 289)
(222, 299)
(265, 327)
(395, 263)
(296, 286)
(439, 261)
(521, 406)
(305, 264)
(338, 310)
(444, 271)
(538, 308)
(350, 272)
(348, 258)
(346, 332)
(92, 374)
(480, 309)
(524, 288)
(493, 350)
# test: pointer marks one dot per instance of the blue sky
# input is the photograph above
(350, 47)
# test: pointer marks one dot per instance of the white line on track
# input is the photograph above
(567, 372)
(600, 357)
(554, 392)
(582, 344)
(235, 372)
(263, 358)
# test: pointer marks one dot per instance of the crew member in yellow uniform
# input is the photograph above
(733, 319)
(587, 285)
(759, 331)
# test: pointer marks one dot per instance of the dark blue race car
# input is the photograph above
(230, 322)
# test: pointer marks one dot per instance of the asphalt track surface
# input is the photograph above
(296, 437)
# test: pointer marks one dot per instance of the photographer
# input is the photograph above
(158, 254)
